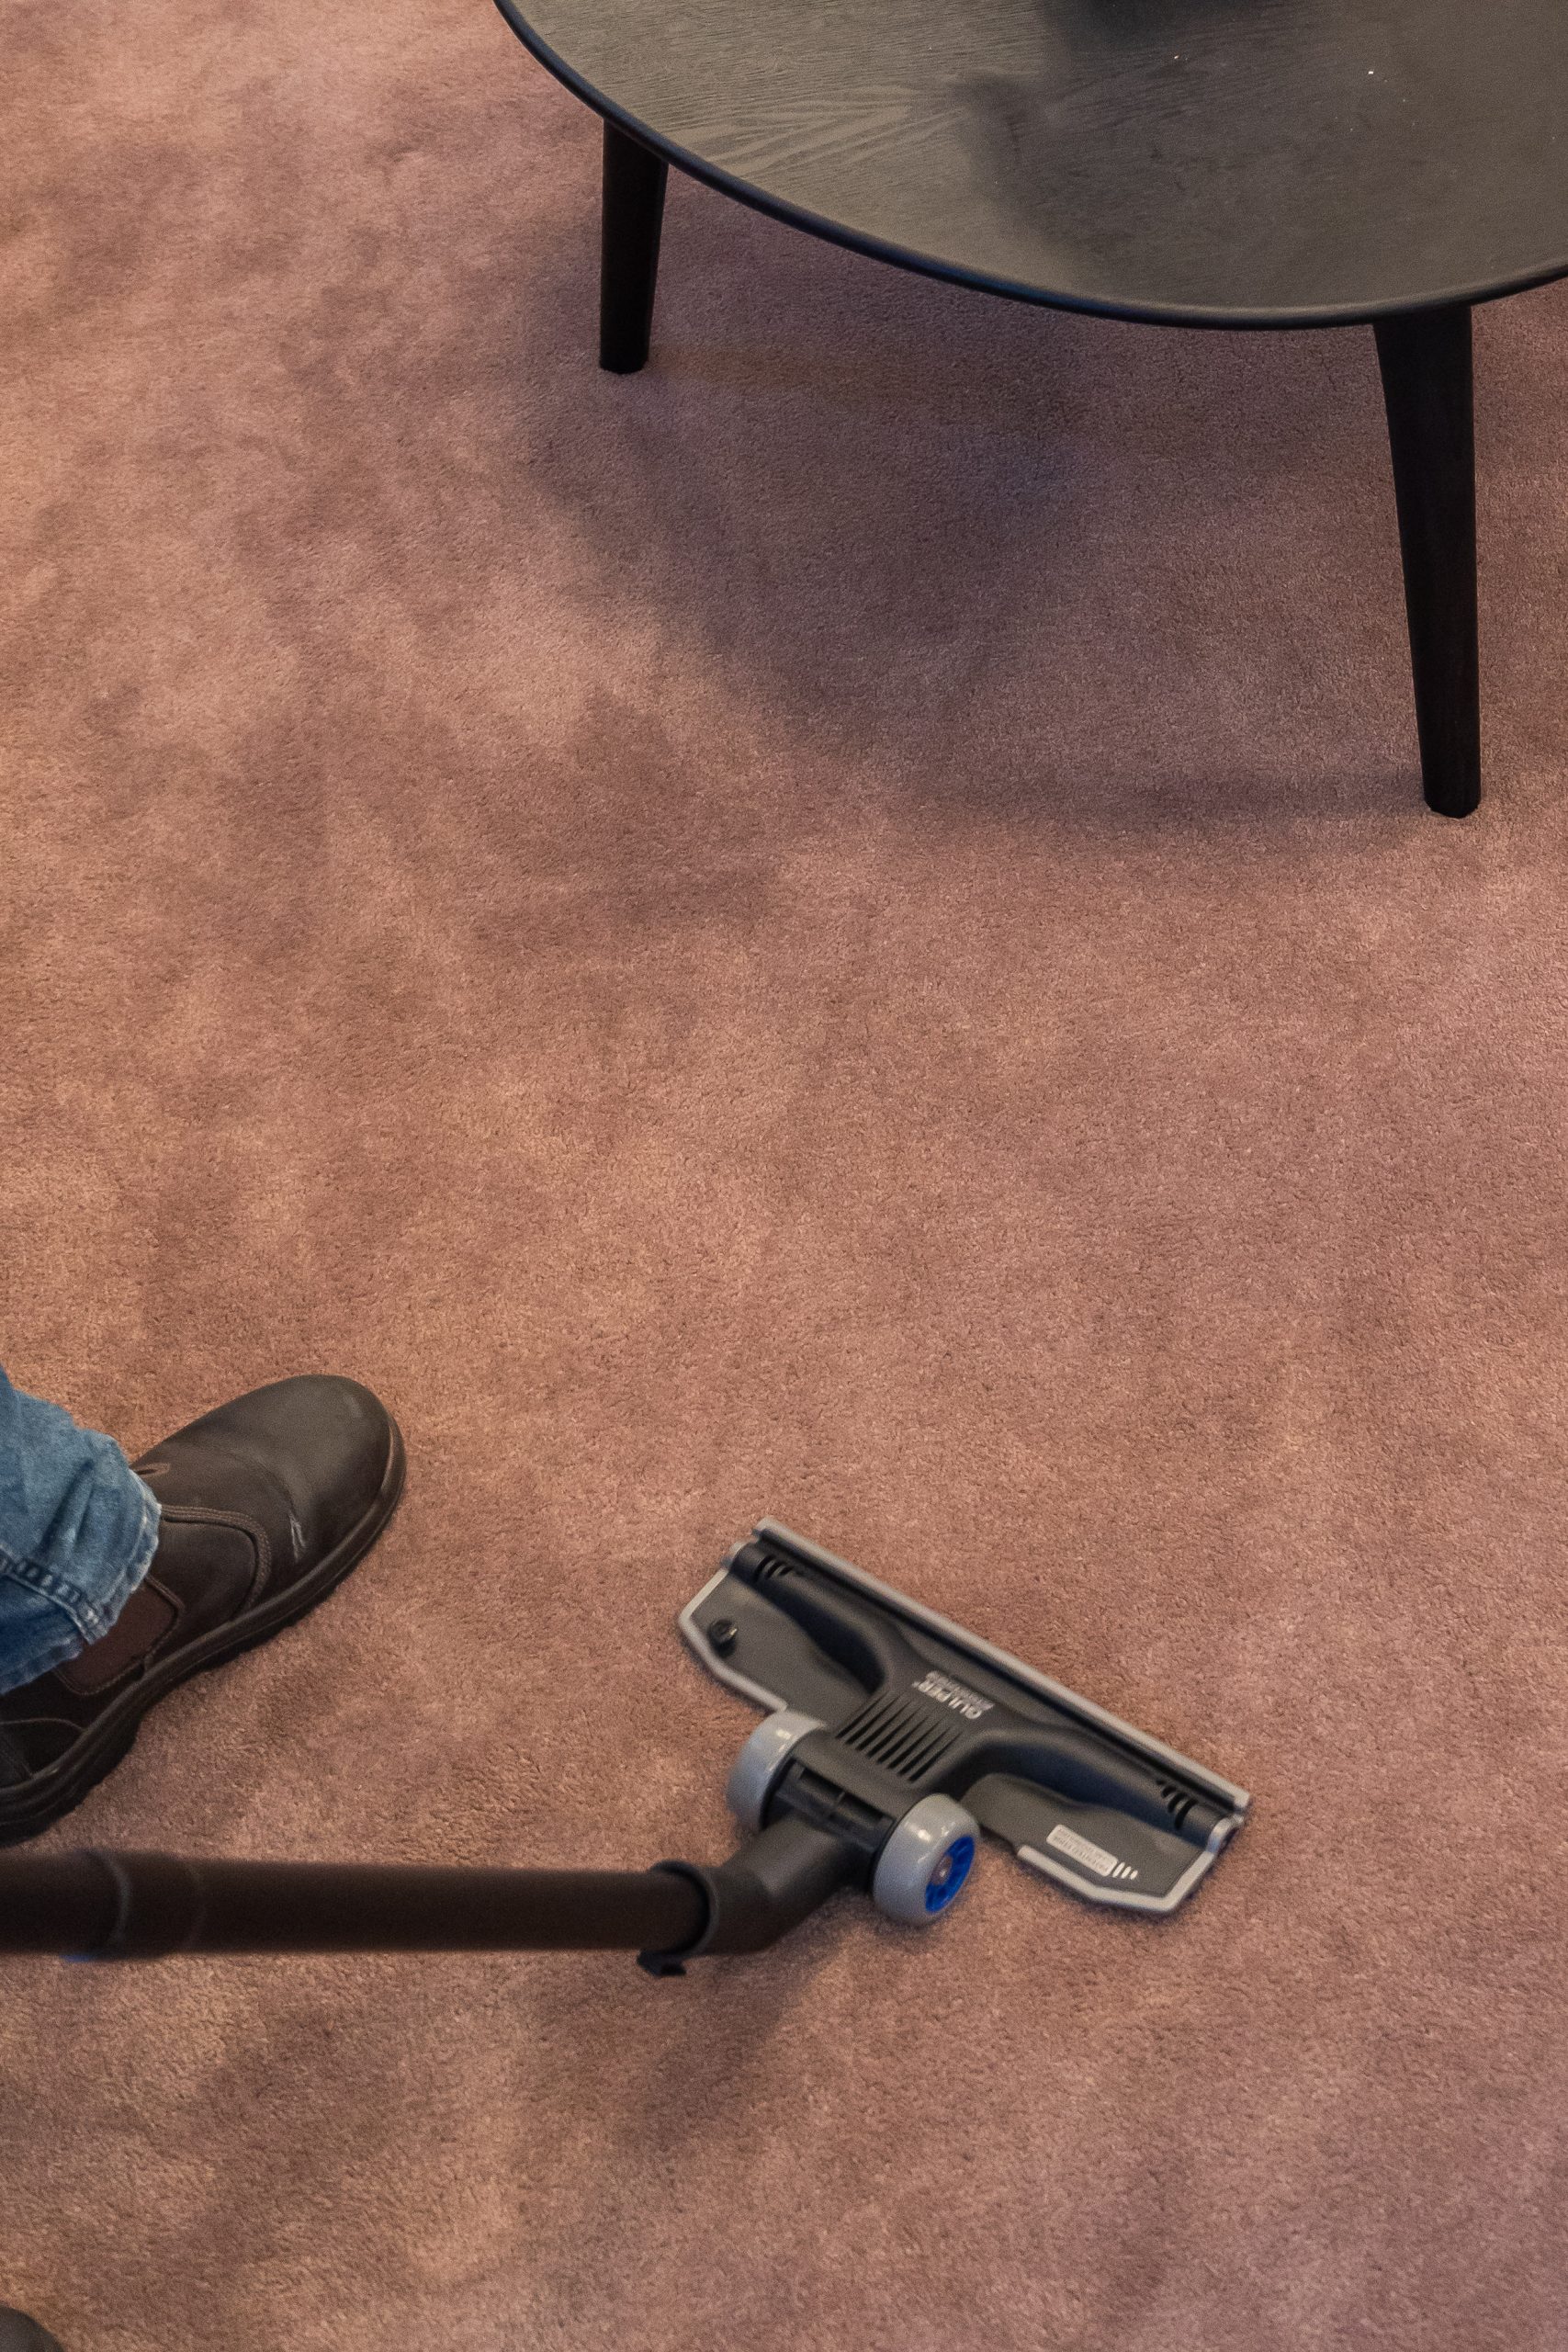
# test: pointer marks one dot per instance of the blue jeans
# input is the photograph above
(77, 1531)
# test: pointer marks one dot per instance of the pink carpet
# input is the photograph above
(844, 928)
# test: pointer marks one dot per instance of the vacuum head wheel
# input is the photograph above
(756, 1769)
(922, 1868)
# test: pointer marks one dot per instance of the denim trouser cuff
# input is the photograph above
(78, 1530)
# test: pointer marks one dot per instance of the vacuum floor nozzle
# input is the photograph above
(880, 1710)
(892, 1740)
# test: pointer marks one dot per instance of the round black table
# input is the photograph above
(1199, 162)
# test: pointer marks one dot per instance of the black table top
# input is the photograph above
(1265, 163)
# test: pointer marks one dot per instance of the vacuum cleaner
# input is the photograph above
(892, 1738)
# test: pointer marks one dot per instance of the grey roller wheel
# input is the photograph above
(760, 1762)
(925, 1862)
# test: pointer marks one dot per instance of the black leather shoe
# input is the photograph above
(20, 2334)
(267, 1504)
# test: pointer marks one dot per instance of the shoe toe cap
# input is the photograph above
(326, 1444)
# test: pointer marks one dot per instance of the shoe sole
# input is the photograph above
(27, 1812)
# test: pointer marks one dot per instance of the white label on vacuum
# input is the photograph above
(1093, 1857)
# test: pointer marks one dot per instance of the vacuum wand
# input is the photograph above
(104, 1906)
(100, 1905)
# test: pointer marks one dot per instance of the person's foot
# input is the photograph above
(267, 1504)
(20, 2334)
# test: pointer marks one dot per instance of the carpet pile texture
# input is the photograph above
(845, 928)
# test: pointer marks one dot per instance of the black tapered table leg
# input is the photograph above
(1425, 357)
(629, 269)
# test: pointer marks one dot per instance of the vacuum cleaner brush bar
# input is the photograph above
(878, 1704)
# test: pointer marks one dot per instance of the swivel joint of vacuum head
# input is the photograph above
(924, 1854)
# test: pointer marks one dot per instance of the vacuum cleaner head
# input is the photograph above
(880, 1710)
